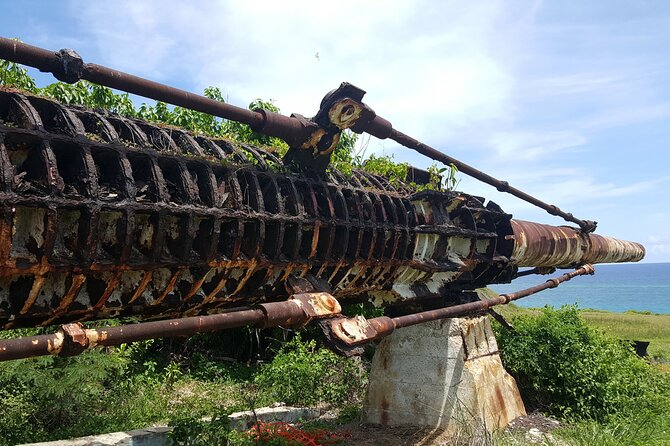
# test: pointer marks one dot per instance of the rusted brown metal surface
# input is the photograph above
(541, 245)
(357, 331)
(311, 141)
(104, 216)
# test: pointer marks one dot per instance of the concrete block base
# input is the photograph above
(445, 374)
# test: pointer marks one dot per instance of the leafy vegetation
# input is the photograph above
(567, 368)
(596, 383)
(301, 373)
(155, 382)
(344, 158)
(630, 325)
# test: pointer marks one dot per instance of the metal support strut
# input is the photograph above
(311, 141)
(73, 339)
(348, 333)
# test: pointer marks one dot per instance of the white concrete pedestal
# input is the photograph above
(445, 374)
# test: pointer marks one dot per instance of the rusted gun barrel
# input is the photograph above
(541, 245)
(103, 216)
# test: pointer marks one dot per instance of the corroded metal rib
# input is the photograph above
(105, 216)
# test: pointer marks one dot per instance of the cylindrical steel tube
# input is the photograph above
(53, 344)
(283, 127)
(502, 186)
(30, 346)
(480, 305)
(357, 331)
(25, 54)
(109, 77)
(542, 245)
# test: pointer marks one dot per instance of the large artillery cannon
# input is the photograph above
(105, 216)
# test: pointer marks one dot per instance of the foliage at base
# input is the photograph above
(301, 373)
(569, 369)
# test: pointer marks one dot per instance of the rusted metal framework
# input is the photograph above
(104, 216)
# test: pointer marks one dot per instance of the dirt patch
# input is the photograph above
(374, 435)
(534, 420)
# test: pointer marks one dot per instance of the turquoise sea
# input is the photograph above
(621, 287)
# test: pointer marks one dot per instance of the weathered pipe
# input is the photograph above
(502, 186)
(351, 332)
(541, 245)
(73, 339)
(67, 66)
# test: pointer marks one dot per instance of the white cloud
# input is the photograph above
(531, 145)
(429, 67)
(506, 89)
(658, 244)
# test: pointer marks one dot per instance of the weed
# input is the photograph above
(304, 374)
(571, 370)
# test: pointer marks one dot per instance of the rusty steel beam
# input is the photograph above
(351, 332)
(67, 66)
(311, 142)
(542, 245)
(73, 339)
(383, 129)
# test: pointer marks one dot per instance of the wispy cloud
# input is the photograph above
(532, 145)
(529, 91)
(659, 244)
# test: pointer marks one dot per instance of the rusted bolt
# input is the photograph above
(330, 303)
(347, 112)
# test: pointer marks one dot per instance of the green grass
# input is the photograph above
(654, 328)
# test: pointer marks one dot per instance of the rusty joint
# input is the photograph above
(299, 310)
(317, 305)
(358, 330)
(75, 340)
(68, 66)
(340, 109)
(553, 283)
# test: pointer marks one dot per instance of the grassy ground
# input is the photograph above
(630, 325)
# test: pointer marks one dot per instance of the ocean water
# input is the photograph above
(620, 287)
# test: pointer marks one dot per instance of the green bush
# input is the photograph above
(571, 370)
(303, 374)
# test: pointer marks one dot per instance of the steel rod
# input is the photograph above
(73, 339)
(502, 186)
(48, 61)
(471, 307)
(356, 332)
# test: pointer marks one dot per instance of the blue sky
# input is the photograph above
(568, 100)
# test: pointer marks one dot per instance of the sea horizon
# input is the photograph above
(619, 287)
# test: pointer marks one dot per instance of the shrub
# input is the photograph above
(571, 370)
(303, 374)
